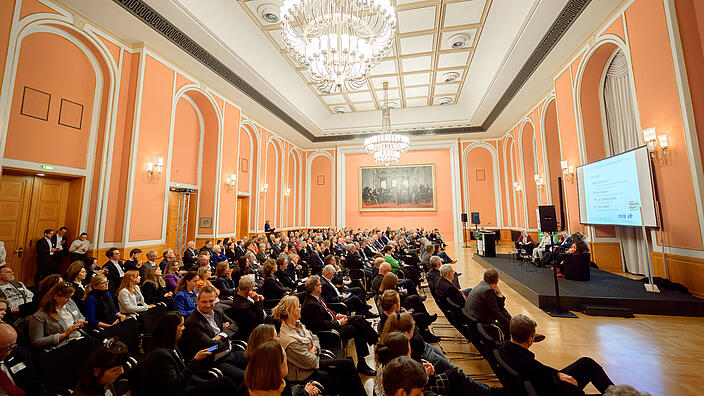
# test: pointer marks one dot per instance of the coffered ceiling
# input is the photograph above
(428, 64)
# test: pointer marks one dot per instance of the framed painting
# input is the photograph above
(397, 188)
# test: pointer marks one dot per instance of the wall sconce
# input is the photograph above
(287, 192)
(264, 188)
(538, 181)
(230, 182)
(567, 170)
(657, 145)
(155, 168)
(517, 187)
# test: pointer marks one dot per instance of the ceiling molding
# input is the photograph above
(141, 10)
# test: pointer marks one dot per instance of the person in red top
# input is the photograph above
(525, 243)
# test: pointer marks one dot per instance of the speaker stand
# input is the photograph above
(464, 234)
(558, 312)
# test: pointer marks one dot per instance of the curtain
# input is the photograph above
(623, 135)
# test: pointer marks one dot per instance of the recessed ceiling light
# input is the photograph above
(338, 109)
(444, 100)
(450, 77)
(269, 12)
(458, 40)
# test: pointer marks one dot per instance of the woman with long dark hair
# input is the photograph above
(165, 372)
(154, 287)
(186, 294)
(103, 367)
(58, 319)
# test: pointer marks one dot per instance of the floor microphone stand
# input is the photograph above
(558, 312)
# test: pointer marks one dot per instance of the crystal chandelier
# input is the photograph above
(339, 40)
(386, 147)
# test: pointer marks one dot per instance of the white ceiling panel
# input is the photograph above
(416, 64)
(365, 106)
(333, 99)
(360, 96)
(416, 79)
(416, 44)
(393, 94)
(453, 59)
(384, 67)
(378, 83)
(464, 13)
(442, 89)
(442, 76)
(416, 19)
(340, 109)
(417, 102)
(416, 91)
(467, 36)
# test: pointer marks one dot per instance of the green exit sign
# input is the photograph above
(47, 167)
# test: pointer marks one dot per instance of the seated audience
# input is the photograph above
(303, 348)
(223, 280)
(206, 327)
(98, 305)
(261, 334)
(318, 316)
(129, 297)
(272, 288)
(21, 377)
(102, 369)
(403, 377)
(408, 301)
(168, 255)
(115, 269)
(91, 265)
(443, 256)
(154, 288)
(487, 304)
(218, 256)
(283, 273)
(446, 289)
(349, 296)
(172, 274)
(190, 255)
(546, 380)
(204, 275)
(385, 268)
(428, 251)
(247, 309)
(623, 390)
(76, 275)
(166, 372)
(4, 309)
(58, 319)
(133, 263)
(186, 294)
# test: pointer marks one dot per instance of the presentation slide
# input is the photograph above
(613, 190)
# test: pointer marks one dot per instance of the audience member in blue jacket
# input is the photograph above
(99, 307)
(186, 294)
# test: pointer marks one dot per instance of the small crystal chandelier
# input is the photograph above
(386, 147)
(339, 40)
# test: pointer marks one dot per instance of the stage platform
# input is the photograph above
(604, 289)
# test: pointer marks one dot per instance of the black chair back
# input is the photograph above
(126, 331)
(512, 381)
(151, 316)
(576, 266)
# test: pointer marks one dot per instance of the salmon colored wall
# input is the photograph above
(320, 203)
(552, 145)
(6, 13)
(291, 200)
(209, 176)
(119, 171)
(154, 122)
(30, 7)
(243, 178)
(440, 219)
(506, 205)
(228, 166)
(659, 106)
(591, 102)
(51, 64)
(529, 171)
(616, 28)
(272, 173)
(186, 144)
(481, 192)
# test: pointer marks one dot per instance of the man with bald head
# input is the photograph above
(385, 268)
(17, 375)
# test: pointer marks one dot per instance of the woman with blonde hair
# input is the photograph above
(408, 301)
(98, 305)
(129, 297)
(266, 372)
(154, 287)
(204, 275)
(303, 348)
(260, 335)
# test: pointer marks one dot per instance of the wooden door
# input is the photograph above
(172, 221)
(47, 210)
(15, 199)
(242, 216)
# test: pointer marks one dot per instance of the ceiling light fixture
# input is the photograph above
(386, 147)
(269, 12)
(338, 109)
(339, 40)
(458, 40)
(445, 100)
(450, 77)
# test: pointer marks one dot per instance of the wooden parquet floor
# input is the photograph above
(662, 355)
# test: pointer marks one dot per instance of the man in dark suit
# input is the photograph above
(546, 380)
(116, 270)
(207, 247)
(61, 246)
(354, 261)
(445, 289)
(317, 316)
(190, 256)
(246, 307)
(486, 303)
(349, 296)
(207, 326)
(18, 376)
(283, 274)
(45, 252)
(433, 276)
(133, 263)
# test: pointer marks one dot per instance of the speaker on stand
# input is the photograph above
(548, 223)
(464, 229)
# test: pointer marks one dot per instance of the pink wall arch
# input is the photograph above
(482, 190)
(320, 181)
(528, 170)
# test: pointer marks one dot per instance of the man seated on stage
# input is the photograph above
(546, 380)
(539, 251)
(445, 288)
(317, 316)
(525, 243)
(486, 303)
(353, 297)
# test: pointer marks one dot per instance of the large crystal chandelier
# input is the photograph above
(339, 40)
(386, 147)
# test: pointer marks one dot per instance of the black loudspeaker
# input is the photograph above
(475, 218)
(464, 217)
(548, 219)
